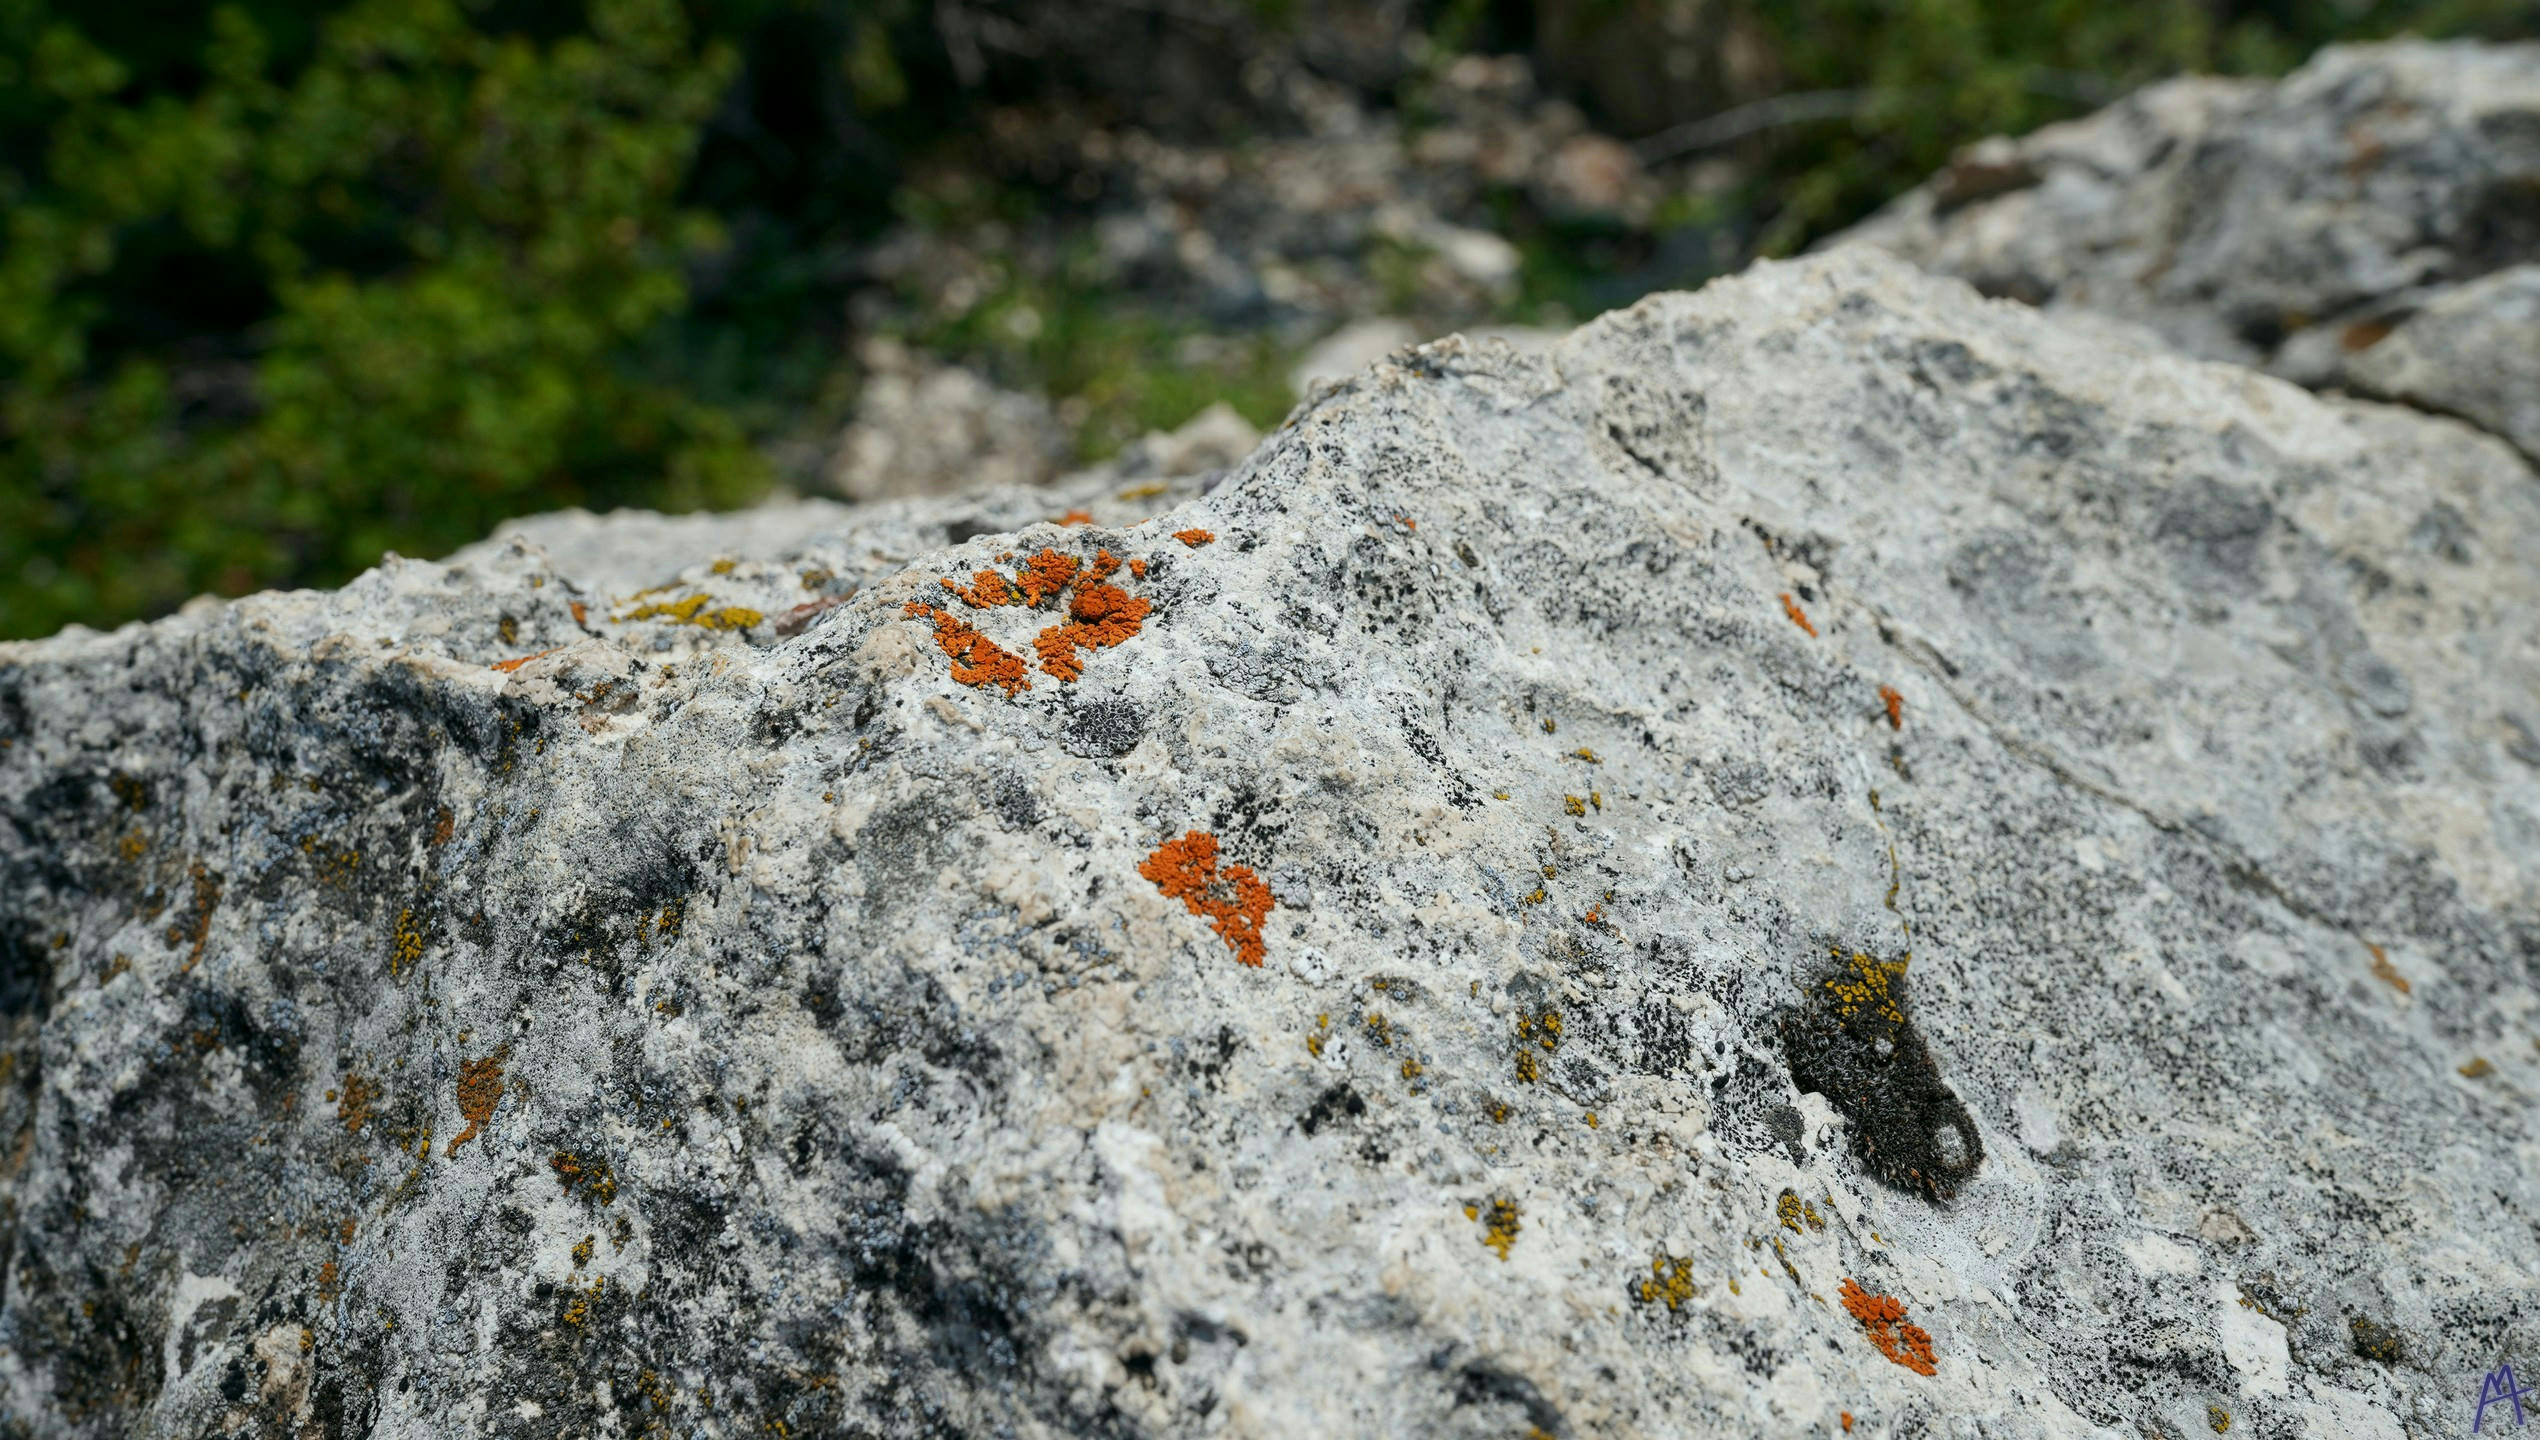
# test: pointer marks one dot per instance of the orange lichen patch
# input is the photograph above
(508, 666)
(976, 659)
(443, 823)
(1882, 1316)
(1797, 616)
(1895, 706)
(329, 1283)
(581, 616)
(1847, 1421)
(1098, 617)
(1235, 900)
(1045, 575)
(197, 927)
(1194, 538)
(1407, 522)
(480, 1090)
(1101, 568)
(354, 1106)
(1138, 568)
(986, 591)
(2384, 971)
(1075, 517)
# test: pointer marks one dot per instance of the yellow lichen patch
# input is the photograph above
(1379, 1029)
(480, 1090)
(134, 845)
(405, 944)
(698, 610)
(1147, 491)
(1412, 1069)
(1497, 1110)
(1670, 1283)
(1572, 804)
(1499, 1225)
(334, 867)
(1872, 987)
(1528, 1072)
(1586, 754)
(578, 1310)
(591, 1177)
(1795, 1212)
(2477, 1067)
(582, 1252)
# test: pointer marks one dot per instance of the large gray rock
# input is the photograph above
(729, 1022)
(2291, 225)
(923, 428)
(2472, 350)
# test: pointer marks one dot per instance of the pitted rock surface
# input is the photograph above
(2111, 778)
(2381, 195)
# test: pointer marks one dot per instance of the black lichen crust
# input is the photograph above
(1854, 1042)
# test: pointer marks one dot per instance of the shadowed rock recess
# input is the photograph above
(716, 977)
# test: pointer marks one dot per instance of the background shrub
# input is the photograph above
(288, 283)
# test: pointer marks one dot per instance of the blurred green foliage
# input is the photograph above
(285, 289)
(287, 283)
